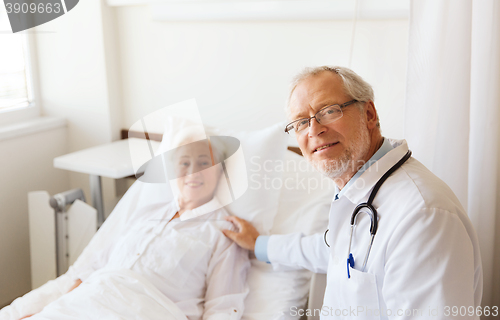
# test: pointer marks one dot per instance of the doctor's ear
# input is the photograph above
(371, 115)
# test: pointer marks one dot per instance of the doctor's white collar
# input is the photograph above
(363, 181)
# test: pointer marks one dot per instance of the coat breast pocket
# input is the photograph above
(362, 294)
(179, 257)
(350, 298)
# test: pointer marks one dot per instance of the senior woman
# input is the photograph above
(190, 261)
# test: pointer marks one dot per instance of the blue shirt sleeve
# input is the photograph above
(261, 248)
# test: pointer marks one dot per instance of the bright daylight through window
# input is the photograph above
(15, 89)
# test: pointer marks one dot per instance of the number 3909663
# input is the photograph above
(470, 311)
(33, 7)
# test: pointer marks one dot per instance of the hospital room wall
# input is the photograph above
(239, 71)
(26, 165)
(78, 81)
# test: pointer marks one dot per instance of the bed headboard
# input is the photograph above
(125, 134)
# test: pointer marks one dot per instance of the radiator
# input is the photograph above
(60, 227)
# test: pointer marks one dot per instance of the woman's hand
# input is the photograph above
(77, 283)
(246, 235)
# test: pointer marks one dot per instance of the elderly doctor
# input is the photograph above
(424, 258)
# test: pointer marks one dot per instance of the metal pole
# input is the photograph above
(59, 203)
(62, 255)
(96, 195)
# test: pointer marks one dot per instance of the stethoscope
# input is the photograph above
(372, 212)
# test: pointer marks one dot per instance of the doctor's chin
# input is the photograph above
(249, 160)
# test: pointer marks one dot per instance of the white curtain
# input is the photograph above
(453, 109)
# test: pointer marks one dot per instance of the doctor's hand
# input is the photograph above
(246, 235)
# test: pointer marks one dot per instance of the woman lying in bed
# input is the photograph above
(162, 267)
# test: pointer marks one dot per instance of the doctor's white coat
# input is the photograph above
(424, 260)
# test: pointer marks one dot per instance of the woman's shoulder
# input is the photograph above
(217, 218)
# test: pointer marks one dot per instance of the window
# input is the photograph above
(16, 89)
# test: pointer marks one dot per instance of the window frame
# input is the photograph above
(33, 110)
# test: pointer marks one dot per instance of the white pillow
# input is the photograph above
(304, 204)
(259, 204)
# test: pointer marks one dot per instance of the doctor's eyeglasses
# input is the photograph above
(324, 116)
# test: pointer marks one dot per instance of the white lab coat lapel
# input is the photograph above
(360, 190)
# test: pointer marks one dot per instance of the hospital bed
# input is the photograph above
(295, 198)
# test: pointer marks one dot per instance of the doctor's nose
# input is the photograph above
(315, 128)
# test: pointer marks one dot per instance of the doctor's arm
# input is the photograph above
(284, 252)
(297, 251)
(430, 266)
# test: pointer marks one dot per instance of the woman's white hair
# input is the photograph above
(354, 86)
(192, 134)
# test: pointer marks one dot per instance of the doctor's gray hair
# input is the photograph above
(354, 86)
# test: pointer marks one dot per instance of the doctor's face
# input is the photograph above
(198, 177)
(337, 147)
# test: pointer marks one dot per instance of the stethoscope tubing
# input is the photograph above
(372, 212)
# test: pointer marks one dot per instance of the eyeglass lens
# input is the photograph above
(324, 116)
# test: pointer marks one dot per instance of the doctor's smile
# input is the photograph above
(325, 146)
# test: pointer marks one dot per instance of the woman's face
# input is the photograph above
(198, 177)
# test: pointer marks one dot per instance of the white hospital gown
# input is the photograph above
(191, 262)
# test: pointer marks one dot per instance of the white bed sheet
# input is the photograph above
(113, 294)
